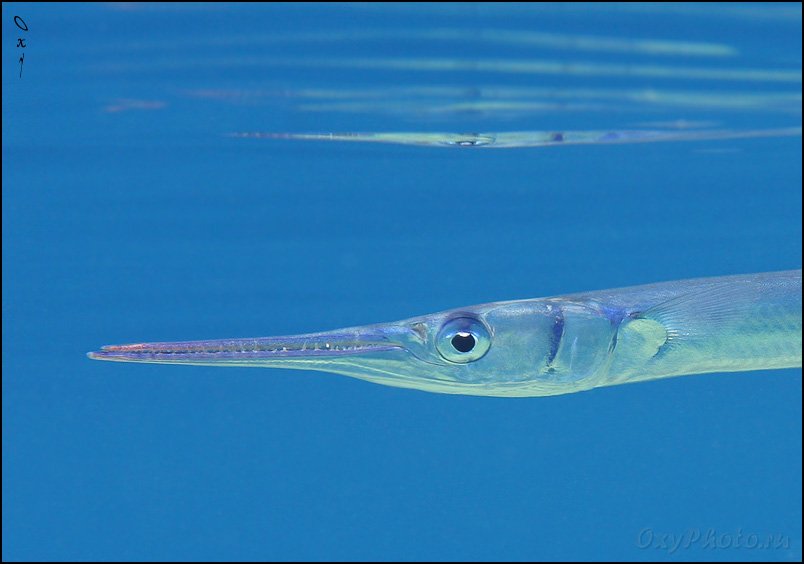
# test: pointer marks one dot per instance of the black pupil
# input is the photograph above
(463, 342)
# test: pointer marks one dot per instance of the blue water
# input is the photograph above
(129, 215)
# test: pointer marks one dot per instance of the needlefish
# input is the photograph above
(512, 139)
(539, 347)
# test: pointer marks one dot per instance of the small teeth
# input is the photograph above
(247, 349)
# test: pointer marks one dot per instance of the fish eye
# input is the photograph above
(463, 339)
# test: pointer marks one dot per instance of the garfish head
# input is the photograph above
(502, 349)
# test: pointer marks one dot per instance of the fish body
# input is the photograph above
(540, 347)
(514, 139)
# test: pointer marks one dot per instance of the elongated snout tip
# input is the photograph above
(103, 355)
(115, 352)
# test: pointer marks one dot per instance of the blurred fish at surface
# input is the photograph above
(530, 138)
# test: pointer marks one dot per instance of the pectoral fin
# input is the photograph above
(701, 313)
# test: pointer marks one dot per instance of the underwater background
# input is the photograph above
(131, 213)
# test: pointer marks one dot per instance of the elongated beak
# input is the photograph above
(291, 351)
